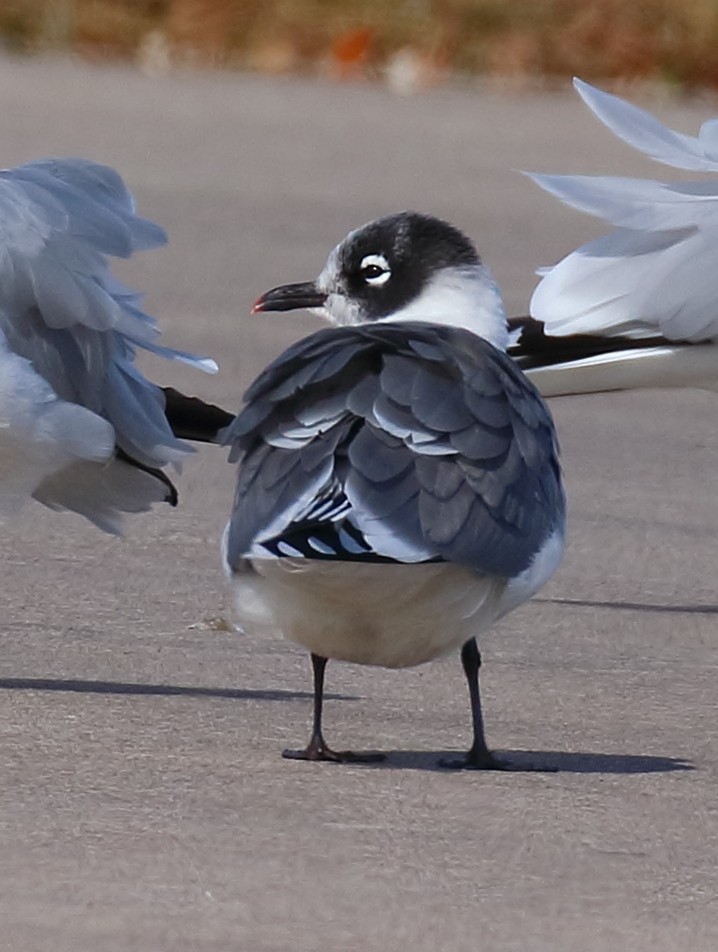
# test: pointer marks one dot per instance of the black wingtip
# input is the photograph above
(534, 348)
(192, 419)
(172, 496)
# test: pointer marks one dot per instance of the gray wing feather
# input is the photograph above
(61, 309)
(440, 445)
(277, 486)
(101, 492)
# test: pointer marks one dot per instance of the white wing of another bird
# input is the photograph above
(656, 272)
(80, 427)
(644, 132)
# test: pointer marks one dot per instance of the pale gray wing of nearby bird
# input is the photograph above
(636, 307)
(655, 273)
(76, 414)
(394, 442)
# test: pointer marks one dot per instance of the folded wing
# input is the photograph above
(403, 443)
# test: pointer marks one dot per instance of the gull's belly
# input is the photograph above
(379, 614)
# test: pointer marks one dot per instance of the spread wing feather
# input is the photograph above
(61, 309)
(70, 331)
(654, 274)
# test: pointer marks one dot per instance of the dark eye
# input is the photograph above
(375, 269)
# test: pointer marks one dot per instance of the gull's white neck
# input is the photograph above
(465, 297)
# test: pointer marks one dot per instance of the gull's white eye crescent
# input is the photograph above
(375, 270)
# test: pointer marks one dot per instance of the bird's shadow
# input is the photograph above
(78, 686)
(538, 761)
(632, 606)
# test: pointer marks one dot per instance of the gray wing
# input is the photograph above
(62, 310)
(405, 442)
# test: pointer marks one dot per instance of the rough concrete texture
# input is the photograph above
(143, 801)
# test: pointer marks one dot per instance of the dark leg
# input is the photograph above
(479, 757)
(317, 749)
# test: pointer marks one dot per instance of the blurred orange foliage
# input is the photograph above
(668, 40)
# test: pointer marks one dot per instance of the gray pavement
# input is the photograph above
(143, 802)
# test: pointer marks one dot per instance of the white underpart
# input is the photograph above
(465, 297)
(543, 565)
(391, 615)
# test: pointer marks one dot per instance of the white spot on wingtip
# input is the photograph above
(208, 365)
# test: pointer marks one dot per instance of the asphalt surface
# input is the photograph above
(144, 804)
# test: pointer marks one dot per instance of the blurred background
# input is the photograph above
(409, 43)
